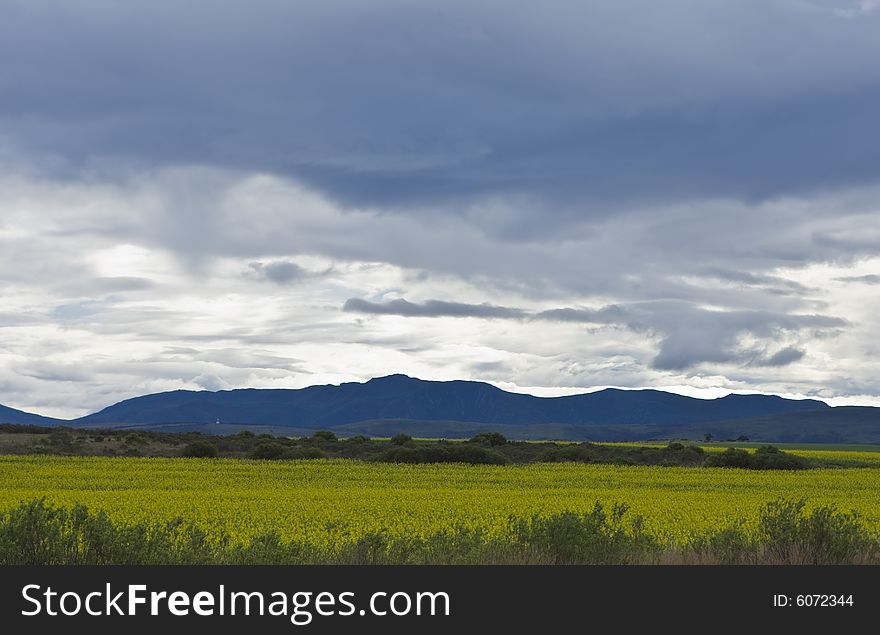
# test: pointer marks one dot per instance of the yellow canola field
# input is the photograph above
(332, 500)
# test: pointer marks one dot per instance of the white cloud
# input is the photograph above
(97, 308)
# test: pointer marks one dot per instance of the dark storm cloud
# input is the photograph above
(431, 308)
(592, 106)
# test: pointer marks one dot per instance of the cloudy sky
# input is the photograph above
(552, 196)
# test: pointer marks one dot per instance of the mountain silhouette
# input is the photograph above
(402, 397)
(11, 415)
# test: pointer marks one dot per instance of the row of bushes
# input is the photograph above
(37, 533)
(493, 449)
(766, 457)
(484, 448)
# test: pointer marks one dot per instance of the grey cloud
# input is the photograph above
(605, 315)
(230, 357)
(91, 287)
(784, 357)
(866, 279)
(123, 283)
(431, 308)
(280, 272)
(47, 370)
(756, 279)
(691, 335)
(688, 334)
(407, 104)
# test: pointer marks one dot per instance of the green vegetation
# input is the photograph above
(765, 457)
(487, 448)
(37, 533)
(200, 450)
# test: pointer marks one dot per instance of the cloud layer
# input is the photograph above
(559, 196)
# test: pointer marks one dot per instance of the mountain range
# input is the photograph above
(397, 403)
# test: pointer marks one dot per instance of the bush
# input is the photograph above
(731, 545)
(306, 453)
(731, 457)
(324, 435)
(437, 453)
(402, 439)
(135, 438)
(595, 537)
(37, 533)
(400, 454)
(564, 453)
(489, 438)
(268, 450)
(200, 450)
(61, 437)
(767, 457)
(824, 536)
(680, 454)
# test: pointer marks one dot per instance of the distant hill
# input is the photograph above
(454, 409)
(847, 424)
(398, 397)
(11, 415)
(843, 424)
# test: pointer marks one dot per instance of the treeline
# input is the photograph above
(490, 448)
(37, 533)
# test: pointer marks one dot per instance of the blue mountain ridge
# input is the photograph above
(402, 397)
(11, 415)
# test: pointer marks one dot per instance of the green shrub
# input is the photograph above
(38, 533)
(437, 453)
(402, 439)
(324, 435)
(200, 450)
(268, 450)
(824, 536)
(307, 453)
(594, 537)
(729, 545)
(135, 438)
(766, 457)
(61, 437)
(489, 438)
(731, 457)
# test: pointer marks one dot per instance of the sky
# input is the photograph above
(552, 197)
